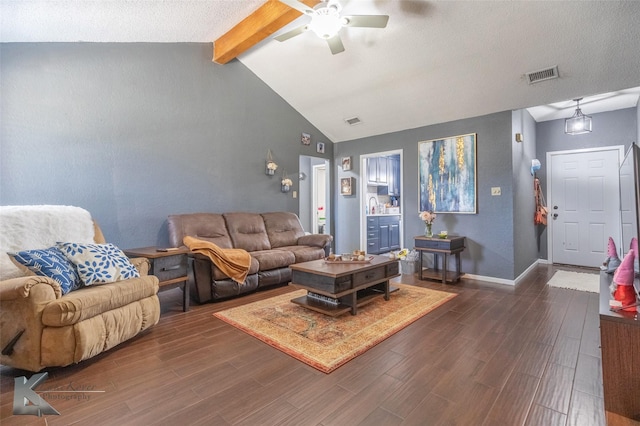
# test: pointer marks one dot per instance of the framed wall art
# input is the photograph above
(346, 163)
(348, 186)
(320, 148)
(305, 139)
(447, 174)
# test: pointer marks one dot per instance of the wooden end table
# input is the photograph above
(440, 246)
(169, 266)
(338, 287)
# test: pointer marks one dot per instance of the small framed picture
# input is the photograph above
(320, 148)
(346, 163)
(305, 139)
(348, 186)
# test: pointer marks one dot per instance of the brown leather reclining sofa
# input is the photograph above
(274, 240)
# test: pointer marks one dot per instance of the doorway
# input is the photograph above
(313, 197)
(381, 195)
(584, 204)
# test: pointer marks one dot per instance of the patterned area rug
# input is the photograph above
(324, 342)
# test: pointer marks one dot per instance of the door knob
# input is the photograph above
(555, 207)
(555, 215)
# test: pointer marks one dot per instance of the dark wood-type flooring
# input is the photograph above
(494, 355)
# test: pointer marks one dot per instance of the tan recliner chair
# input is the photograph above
(40, 327)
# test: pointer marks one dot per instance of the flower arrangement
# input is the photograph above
(428, 218)
(286, 182)
(271, 165)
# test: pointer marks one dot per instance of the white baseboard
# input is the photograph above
(504, 281)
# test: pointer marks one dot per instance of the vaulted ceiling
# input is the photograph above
(436, 61)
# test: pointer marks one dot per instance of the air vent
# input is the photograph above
(352, 121)
(542, 75)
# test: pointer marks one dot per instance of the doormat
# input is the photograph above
(576, 281)
(325, 342)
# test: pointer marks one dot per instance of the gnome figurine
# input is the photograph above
(612, 261)
(622, 286)
(634, 247)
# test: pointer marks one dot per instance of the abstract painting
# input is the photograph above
(447, 174)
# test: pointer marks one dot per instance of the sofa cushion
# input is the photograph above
(304, 253)
(204, 226)
(52, 263)
(247, 231)
(99, 263)
(283, 228)
(272, 259)
(88, 302)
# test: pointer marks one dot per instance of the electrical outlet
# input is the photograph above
(496, 190)
(295, 194)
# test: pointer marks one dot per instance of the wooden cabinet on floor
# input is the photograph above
(620, 346)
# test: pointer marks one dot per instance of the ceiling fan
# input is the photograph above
(326, 22)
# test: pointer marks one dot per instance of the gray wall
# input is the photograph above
(135, 132)
(525, 233)
(611, 128)
(489, 233)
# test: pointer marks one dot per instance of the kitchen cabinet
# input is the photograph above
(373, 234)
(394, 175)
(377, 171)
(383, 234)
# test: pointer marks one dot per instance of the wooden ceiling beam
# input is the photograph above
(266, 20)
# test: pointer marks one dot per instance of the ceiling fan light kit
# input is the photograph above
(326, 22)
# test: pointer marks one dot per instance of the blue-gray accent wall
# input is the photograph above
(135, 132)
(489, 233)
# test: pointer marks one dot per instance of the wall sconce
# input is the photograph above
(271, 165)
(286, 183)
(578, 123)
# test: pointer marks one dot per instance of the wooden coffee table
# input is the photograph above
(334, 288)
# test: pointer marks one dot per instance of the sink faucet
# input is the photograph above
(375, 200)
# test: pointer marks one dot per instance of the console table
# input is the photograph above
(170, 266)
(620, 347)
(440, 246)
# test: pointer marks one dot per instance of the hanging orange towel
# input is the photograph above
(234, 263)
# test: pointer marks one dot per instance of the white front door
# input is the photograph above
(584, 204)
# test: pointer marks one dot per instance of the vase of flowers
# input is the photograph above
(271, 165)
(428, 218)
(286, 184)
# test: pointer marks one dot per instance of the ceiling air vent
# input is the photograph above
(352, 121)
(542, 75)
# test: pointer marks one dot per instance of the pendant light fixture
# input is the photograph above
(578, 123)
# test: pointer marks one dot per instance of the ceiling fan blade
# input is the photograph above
(294, 32)
(369, 21)
(335, 44)
(300, 7)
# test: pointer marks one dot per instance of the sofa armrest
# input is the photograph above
(142, 264)
(315, 240)
(39, 289)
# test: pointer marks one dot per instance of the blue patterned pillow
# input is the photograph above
(99, 263)
(50, 263)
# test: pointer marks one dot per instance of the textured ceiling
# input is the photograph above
(436, 61)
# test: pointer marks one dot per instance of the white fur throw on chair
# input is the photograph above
(39, 227)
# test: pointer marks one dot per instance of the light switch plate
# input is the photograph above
(496, 190)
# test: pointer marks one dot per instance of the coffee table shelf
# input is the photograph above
(363, 297)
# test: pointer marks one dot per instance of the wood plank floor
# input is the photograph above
(494, 355)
